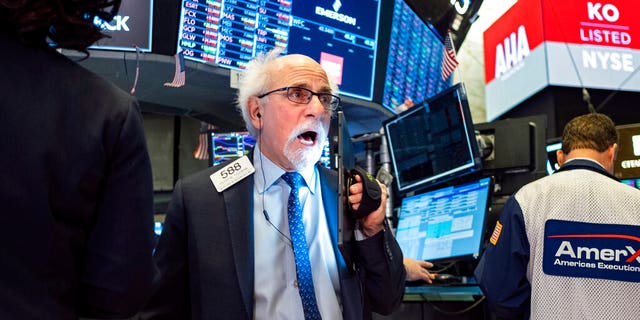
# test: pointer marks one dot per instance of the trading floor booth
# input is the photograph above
(442, 200)
(451, 178)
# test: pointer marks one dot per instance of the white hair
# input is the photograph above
(254, 80)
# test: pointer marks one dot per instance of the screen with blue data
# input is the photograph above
(341, 35)
(446, 223)
(552, 158)
(230, 145)
(414, 59)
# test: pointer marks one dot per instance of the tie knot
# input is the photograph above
(293, 179)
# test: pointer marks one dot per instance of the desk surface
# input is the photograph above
(441, 293)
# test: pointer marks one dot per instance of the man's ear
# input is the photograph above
(613, 152)
(253, 106)
(561, 157)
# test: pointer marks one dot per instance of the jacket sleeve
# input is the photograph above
(170, 298)
(383, 272)
(502, 270)
(118, 261)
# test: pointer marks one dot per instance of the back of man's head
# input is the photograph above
(594, 131)
(67, 24)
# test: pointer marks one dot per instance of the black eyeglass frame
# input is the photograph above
(333, 105)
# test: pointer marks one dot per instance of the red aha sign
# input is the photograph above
(529, 23)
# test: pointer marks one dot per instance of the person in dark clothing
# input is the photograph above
(76, 187)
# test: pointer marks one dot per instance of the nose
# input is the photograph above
(315, 107)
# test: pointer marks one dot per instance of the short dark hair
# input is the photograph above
(57, 23)
(590, 131)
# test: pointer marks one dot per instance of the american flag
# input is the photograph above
(202, 150)
(449, 61)
(178, 76)
(496, 233)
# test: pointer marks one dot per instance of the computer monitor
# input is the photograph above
(228, 145)
(552, 157)
(433, 142)
(414, 59)
(131, 28)
(445, 224)
(632, 182)
(627, 162)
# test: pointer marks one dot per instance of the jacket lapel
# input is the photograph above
(239, 209)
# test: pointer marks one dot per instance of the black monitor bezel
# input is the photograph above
(467, 121)
(485, 223)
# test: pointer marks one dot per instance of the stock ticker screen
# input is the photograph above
(341, 36)
(414, 61)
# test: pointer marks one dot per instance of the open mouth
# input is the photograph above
(308, 138)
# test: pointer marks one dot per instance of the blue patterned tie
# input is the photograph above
(300, 249)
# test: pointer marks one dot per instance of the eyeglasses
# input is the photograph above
(303, 96)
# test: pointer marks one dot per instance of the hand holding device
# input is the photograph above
(371, 192)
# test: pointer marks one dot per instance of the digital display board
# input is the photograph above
(540, 43)
(130, 28)
(414, 61)
(341, 36)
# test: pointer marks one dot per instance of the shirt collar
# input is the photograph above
(588, 164)
(267, 173)
(588, 159)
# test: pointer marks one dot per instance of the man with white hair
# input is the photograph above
(231, 245)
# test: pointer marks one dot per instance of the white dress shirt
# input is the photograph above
(275, 291)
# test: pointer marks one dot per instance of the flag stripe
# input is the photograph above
(202, 150)
(179, 75)
(449, 60)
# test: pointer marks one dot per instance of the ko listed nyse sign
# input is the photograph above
(580, 43)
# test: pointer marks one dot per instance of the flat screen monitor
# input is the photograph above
(627, 162)
(229, 145)
(130, 28)
(341, 35)
(433, 142)
(552, 158)
(414, 59)
(632, 182)
(446, 223)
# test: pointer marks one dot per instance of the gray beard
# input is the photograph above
(304, 158)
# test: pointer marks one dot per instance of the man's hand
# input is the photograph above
(374, 222)
(417, 270)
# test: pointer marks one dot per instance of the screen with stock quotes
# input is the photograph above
(414, 61)
(341, 35)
